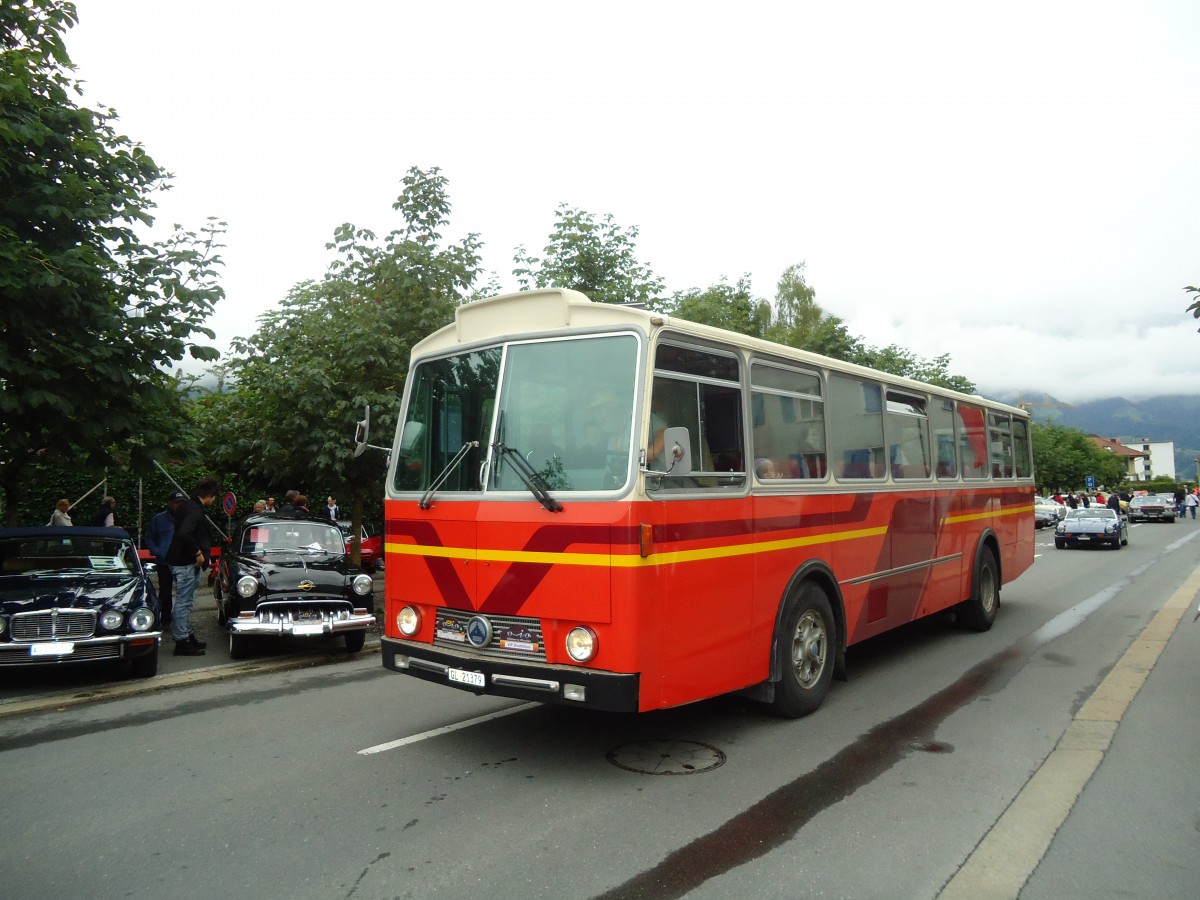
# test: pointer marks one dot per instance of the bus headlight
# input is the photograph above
(581, 643)
(408, 621)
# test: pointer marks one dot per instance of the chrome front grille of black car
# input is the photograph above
(514, 637)
(53, 624)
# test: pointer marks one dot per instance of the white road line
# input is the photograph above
(445, 729)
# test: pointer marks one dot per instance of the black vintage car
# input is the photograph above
(291, 575)
(74, 594)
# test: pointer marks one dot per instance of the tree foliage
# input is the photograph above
(295, 388)
(597, 257)
(1064, 457)
(1194, 307)
(93, 317)
(723, 305)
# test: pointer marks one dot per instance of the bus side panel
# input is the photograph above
(705, 549)
(1017, 544)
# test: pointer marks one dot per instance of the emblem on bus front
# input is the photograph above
(479, 631)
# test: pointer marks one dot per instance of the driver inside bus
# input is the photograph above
(606, 434)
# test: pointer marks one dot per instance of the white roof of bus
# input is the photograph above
(529, 313)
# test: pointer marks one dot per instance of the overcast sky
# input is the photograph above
(1015, 184)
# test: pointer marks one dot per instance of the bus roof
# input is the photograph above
(525, 314)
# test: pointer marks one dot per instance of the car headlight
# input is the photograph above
(581, 643)
(3, 624)
(362, 585)
(141, 619)
(111, 619)
(1061, 529)
(408, 621)
(247, 586)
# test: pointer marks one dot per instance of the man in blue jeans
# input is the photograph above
(189, 556)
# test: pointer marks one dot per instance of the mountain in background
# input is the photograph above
(1168, 418)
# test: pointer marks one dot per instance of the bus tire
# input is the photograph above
(978, 612)
(805, 647)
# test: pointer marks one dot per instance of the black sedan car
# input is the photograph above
(1096, 525)
(291, 576)
(74, 594)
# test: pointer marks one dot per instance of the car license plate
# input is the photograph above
(303, 628)
(57, 648)
(474, 679)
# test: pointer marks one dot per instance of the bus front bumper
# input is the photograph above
(543, 683)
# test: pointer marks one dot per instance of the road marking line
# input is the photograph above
(1006, 857)
(445, 729)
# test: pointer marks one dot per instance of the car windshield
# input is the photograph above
(1094, 512)
(292, 537)
(67, 556)
(1146, 501)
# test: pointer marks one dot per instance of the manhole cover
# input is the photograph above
(666, 757)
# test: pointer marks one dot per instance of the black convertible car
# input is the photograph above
(75, 594)
(291, 575)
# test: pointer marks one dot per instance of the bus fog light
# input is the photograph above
(581, 643)
(575, 692)
(408, 621)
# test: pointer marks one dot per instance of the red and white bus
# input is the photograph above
(598, 505)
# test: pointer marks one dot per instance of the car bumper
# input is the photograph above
(279, 626)
(544, 683)
(116, 646)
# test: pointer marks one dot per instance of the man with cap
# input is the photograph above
(158, 540)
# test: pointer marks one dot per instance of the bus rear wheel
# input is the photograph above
(804, 646)
(978, 612)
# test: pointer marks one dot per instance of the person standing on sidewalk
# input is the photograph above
(189, 556)
(158, 541)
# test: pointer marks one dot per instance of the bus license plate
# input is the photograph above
(474, 679)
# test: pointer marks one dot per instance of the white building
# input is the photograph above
(1160, 457)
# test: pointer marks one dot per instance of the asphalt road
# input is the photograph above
(1053, 756)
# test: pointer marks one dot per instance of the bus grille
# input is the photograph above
(514, 637)
(48, 625)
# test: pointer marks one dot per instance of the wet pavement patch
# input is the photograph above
(666, 757)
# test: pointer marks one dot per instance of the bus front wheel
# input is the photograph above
(978, 612)
(804, 646)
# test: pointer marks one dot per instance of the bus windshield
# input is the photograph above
(564, 407)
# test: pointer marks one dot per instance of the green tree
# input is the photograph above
(93, 317)
(798, 321)
(596, 257)
(723, 305)
(1194, 307)
(298, 385)
(898, 361)
(1064, 457)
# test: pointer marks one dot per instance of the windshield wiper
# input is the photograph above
(528, 475)
(427, 497)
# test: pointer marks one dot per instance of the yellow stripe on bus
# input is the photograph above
(974, 517)
(672, 557)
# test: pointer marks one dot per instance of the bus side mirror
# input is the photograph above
(362, 433)
(677, 451)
